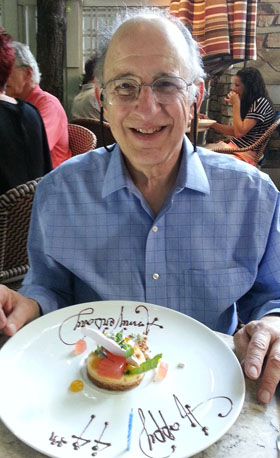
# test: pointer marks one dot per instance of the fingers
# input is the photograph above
(257, 348)
(271, 374)
(10, 329)
(3, 319)
(15, 310)
(25, 310)
(241, 342)
(5, 305)
(232, 97)
(255, 342)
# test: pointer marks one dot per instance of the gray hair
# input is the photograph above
(25, 58)
(196, 67)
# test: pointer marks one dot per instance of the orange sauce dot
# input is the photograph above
(76, 385)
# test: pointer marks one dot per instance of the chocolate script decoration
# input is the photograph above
(163, 433)
(156, 431)
(86, 317)
(81, 441)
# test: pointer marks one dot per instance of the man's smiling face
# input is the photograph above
(149, 133)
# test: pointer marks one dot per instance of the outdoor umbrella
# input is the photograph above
(224, 29)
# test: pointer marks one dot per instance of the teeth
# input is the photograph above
(149, 131)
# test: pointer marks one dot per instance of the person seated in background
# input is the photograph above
(24, 83)
(253, 114)
(85, 104)
(24, 150)
(152, 219)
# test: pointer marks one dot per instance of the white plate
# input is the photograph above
(203, 125)
(181, 415)
(206, 122)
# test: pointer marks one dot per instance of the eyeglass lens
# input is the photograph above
(125, 91)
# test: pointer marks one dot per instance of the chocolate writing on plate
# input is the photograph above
(87, 317)
(162, 434)
(158, 434)
(81, 441)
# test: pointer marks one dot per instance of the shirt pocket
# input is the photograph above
(208, 293)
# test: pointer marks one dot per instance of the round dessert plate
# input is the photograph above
(206, 122)
(203, 125)
(191, 408)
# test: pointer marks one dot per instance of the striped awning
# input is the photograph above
(224, 29)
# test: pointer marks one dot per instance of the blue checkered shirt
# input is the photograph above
(213, 248)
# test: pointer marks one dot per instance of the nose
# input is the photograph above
(146, 101)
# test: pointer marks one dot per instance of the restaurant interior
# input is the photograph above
(253, 429)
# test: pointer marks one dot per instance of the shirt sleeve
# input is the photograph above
(51, 115)
(47, 281)
(258, 110)
(264, 296)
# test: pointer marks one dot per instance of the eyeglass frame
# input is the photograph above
(139, 87)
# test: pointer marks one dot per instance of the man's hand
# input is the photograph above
(15, 310)
(258, 350)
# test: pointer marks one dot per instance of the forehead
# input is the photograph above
(155, 46)
(17, 69)
(237, 80)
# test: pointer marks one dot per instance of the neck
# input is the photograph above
(27, 90)
(154, 183)
(6, 98)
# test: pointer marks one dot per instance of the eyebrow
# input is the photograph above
(133, 76)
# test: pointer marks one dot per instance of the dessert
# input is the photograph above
(119, 363)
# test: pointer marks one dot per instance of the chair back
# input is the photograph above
(15, 212)
(94, 126)
(259, 145)
(81, 139)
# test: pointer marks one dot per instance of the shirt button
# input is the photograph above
(155, 276)
(155, 228)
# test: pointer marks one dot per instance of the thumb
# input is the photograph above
(14, 322)
(241, 342)
(10, 329)
(24, 311)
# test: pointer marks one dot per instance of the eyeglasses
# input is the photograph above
(124, 91)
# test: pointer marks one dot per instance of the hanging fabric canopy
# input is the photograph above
(224, 29)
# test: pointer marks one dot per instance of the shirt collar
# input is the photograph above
(117, 176)
(34, 91)
(191, 173)
(87, 86)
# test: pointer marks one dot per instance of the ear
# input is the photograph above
(98, 95)
(198, 98)
(29, 73)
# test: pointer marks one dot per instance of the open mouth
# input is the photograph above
(149, 131)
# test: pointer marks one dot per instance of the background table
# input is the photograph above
(252, 436)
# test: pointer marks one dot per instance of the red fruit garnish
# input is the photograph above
(161, 371)
(80, 347)
(112, 367)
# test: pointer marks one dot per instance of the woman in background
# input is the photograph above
(24, 151)
(253, 113)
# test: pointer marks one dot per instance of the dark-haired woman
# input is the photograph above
(24, 149)
(252, 113)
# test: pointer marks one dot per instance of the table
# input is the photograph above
(253, 434)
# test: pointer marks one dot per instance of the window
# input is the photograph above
(98, 13)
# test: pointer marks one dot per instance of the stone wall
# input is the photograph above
(268, 62)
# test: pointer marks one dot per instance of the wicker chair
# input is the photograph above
(94, 126)
(15, 212)
(258, 146)
(81, 140)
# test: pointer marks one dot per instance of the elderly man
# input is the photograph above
(153, 220)
(23, 83)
